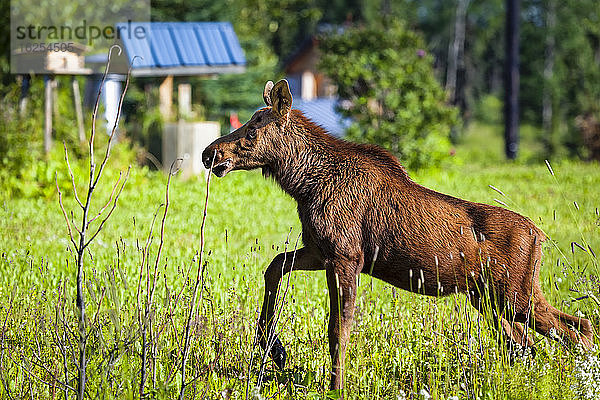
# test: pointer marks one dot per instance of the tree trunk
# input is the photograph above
(456, 49)
(511, 80)
(548, 92)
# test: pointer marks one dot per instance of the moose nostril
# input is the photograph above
(210, 155)
(206, 157)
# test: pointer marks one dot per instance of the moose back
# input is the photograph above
(361, 213)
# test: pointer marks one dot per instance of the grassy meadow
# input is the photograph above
(403, 346)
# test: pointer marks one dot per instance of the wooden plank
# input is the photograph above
(78, 109)
(48, 83)
(24, 98)
(184, 100)
(165, 93)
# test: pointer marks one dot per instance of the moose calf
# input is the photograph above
(357, 204)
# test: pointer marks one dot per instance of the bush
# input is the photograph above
(387, 83)
(25, 171)
(20, 142)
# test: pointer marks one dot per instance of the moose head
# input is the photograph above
(250, 146)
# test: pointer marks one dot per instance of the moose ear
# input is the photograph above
(267, 93)
(281, 98)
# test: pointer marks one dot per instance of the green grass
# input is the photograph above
(402, 343)
(483, 144)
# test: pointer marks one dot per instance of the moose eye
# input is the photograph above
(251, 133)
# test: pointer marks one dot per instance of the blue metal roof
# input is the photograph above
(323, 112)
(181, 48)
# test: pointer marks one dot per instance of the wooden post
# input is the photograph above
(48, 83)
(165, 92)
(184, 99)
(54, 97)
(78, 109)
(24, 98)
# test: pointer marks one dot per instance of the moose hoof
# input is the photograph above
(278, 354)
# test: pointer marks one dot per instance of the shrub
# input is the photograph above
(386, 81)
(20, 142)
(25, 171)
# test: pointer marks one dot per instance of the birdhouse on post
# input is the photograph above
(49, 62)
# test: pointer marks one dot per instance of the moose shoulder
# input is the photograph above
(360, 212)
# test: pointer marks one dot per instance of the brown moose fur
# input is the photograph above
(356, 201)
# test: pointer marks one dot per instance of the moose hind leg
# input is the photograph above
(565, 328)
(516, 336)
(513, 333)
(283, 263)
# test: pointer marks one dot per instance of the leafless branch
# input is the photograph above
(95, 319)
(172, 171)
(145, 252)
(73, 223)
(6, 388)
(116, 124)
(199, 274)
(58, 340)
(64, 212)
(95, 112)
(150, 287)
(40, 363)
(30, 373)
(271, 336)
(110, 212)
(71, 175)
(83, 242)
(110, 199)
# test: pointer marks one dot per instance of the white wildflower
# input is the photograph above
(425, 394)
(586, 373)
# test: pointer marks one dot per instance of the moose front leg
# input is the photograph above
(283, 263)
(342, 283)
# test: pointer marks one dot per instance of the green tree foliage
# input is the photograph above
(269, 31)
(5, 78)
(576, 78)
(387, 80)
(574, 81)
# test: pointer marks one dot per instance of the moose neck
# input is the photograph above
(303, 156)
